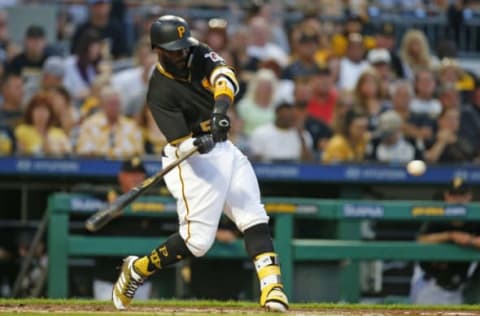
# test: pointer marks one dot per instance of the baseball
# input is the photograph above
(416, 167)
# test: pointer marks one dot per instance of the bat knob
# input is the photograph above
(90, 226)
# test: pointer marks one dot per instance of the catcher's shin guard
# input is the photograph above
(127, 284)
(272, 296)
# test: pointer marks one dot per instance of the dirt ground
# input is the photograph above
(85, 309)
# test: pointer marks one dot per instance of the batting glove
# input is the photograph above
(204, 143)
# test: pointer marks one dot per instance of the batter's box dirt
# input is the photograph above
(198, 308)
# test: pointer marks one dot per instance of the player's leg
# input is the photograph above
(135, 270)
(199, 207)
(246, 210)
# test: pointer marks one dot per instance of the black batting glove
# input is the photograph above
(220, 125)
(204, 143)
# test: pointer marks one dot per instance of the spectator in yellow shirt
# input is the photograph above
(349, 144)
(37, 135)
(108, 133)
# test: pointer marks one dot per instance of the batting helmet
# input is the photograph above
(171, 32)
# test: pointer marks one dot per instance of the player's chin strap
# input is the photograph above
(268, 271)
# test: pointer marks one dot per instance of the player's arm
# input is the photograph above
(225, 87)
(172, 124)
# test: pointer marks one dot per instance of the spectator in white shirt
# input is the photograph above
(132, 83)
(424, 101)
(81, 68)
(281, 141)
(353, 64)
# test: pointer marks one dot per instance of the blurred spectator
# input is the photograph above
(470, 120)
(260, 46)
(30, 62)
(449, 97)
(216, 38)
(7, 142)
(68, 116)
(7, 47)
(380, 60)
(273, 13)
(447, 147)
(305, 44)
(385, 39)
(237, 46)
(350, 142)
(153, 138)
(109, 29)
(389, 145)
(65, 26)
(353, 64)
(281, 141)
(417, 126)
(354, 24)
(132, 83)
(345, 102)
(11, 111)
(425, 101)
(236, 134)
(53, 73)
(81, 68)
(455, 18)
(108, 133)
(91, 104)
(37, 135)
(415, 53)
(302, 90)
(449, 72)
(148, 15)
(324, 33)
(256, 108)
(323, 95)
(368, 98)
(442, 283)
(319, 131)
(285, 88)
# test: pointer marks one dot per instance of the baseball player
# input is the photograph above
(189, 93)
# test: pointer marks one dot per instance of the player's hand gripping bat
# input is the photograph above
(115, 209)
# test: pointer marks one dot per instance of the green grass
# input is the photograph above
(82, 307)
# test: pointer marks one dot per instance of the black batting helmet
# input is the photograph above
(171, 32)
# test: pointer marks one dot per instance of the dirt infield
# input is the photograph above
(96, 308)
(25, 309)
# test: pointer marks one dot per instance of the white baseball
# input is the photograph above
(416, 167)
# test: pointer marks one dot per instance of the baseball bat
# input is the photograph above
(115, 209)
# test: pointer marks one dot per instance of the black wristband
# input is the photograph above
(221, 105)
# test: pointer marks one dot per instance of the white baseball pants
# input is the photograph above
(205, 185)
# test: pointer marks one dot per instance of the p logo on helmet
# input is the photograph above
(180, 31)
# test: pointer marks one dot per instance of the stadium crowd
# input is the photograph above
(314, 89)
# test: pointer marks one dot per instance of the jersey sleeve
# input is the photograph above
(170, 119)
(220, 76)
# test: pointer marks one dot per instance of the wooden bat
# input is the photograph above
(115, 209)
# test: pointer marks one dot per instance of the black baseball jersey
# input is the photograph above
(448, 275)
(183, 107)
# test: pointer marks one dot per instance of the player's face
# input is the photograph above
(176, 58)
